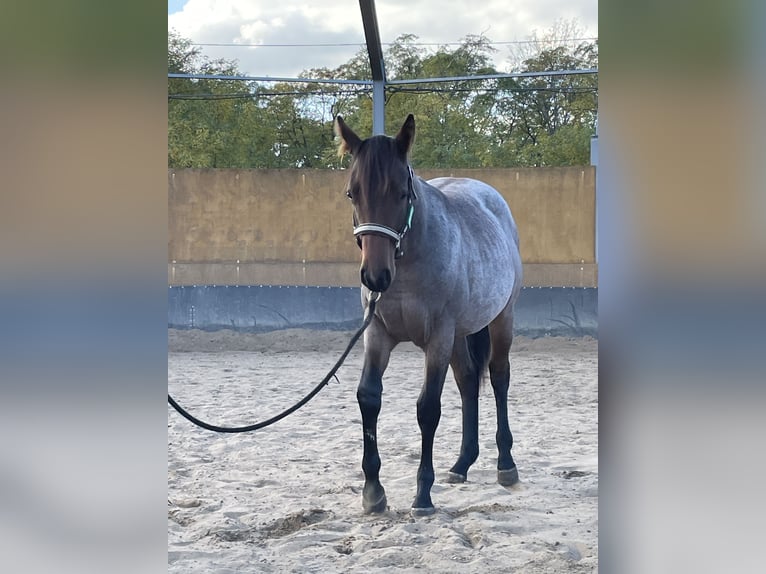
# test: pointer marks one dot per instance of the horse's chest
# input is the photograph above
(407, 321)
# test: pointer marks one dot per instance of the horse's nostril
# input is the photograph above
(378, 283)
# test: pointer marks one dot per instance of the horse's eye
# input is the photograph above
(348, 193)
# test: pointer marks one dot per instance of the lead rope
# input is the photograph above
(372, 301)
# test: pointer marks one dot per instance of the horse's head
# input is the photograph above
(381, 187)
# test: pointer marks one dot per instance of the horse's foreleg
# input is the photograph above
(369, 397)
(429, 413)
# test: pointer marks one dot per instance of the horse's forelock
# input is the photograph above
(376, 162)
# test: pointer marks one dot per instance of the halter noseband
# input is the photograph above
(385, 230)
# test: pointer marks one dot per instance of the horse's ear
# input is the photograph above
(406, 136)
(349, 141)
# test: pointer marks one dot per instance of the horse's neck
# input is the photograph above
(425, 228)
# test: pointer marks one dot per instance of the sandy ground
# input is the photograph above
(288, 498)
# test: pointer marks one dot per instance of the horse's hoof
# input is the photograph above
(455, 477)
(508, 477)
(428, 511)
(375, 507)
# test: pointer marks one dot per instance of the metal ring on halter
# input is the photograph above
(375, 294)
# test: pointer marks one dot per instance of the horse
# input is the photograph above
(441, 260)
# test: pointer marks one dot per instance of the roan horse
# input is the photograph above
(444, 254)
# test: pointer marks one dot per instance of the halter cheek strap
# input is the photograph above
(385, 230)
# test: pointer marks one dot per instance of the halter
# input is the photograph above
(385, 230)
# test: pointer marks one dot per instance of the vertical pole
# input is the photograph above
(377, 67)
(594, 162)
(755, 145)
(378, 108)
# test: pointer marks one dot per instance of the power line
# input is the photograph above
(241, 78)
(567, 90)
(478, 77)
(321, 45)
(362, 44)
(257, 95)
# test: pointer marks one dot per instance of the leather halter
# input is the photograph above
(385, 230)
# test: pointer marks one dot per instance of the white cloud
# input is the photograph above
(252, 32)
(325, 21)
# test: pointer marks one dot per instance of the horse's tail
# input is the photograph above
(478, 349)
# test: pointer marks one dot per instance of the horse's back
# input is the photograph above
(464, 192)
(489, 238)
(474, 199)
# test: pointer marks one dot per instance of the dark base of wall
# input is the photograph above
(540, 311)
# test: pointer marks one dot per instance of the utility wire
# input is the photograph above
(257, 95)
(362, 44)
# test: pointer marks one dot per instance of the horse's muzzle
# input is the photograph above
(375, 282)
(377, 268)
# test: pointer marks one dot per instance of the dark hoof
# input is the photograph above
(375, 506)
(455, 477)
(508, 477)
(428, 511)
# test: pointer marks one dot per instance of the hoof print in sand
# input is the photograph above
(346, 546)
(294, 522)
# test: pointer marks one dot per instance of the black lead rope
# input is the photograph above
(299, 404)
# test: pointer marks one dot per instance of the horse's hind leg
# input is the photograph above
(467, 368)
(501, 335)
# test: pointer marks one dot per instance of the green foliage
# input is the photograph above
(543, 121)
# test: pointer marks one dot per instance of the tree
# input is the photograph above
(451, 117)
(508, 122)
(549, 120)
(205, 132)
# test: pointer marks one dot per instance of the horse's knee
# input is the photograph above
(429, 412)
(369, 398)
(370, 389)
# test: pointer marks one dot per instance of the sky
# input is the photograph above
(243, 22)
